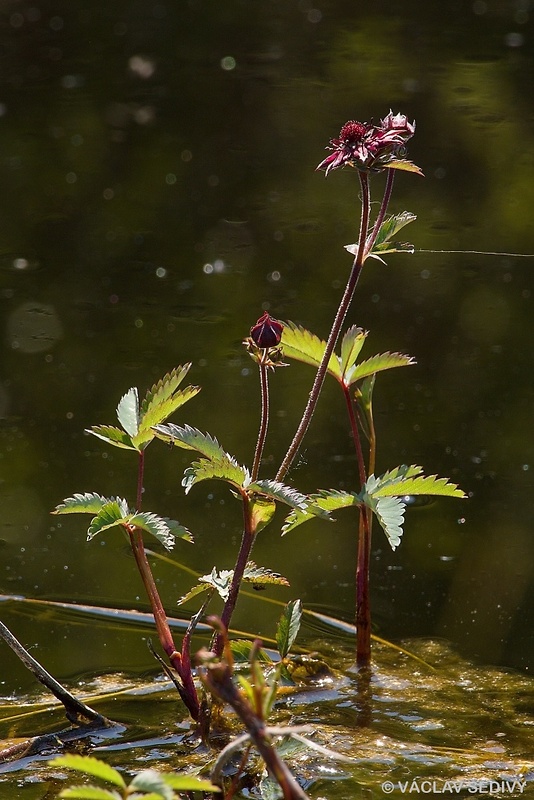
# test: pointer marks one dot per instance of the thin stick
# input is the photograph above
(75, 710)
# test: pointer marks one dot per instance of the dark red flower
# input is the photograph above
(267, 332)
(369, 147)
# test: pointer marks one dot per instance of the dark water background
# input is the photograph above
(158, 192)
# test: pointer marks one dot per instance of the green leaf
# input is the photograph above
(198, 589)
(241, 651)
(351, 345)
(189, 783)
(165, 530)
(112, 435)
(163, 390)
(321, 504)
(260, 576)
(90, 766)
(88, 793)
(406, 166)
(389, 512)
(364, 400)
(191, 439)
(408, 480)
(261, 511)
(128, 412)
(288, 627)
(115, 512)
(220, 581)
(90, 503)
(278, 491)
(375, 364)
(302, 345)
(225, 468)
(150, 780)
(390, 227)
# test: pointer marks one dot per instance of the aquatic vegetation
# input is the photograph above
(205, 680)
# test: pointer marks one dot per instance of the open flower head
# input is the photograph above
(372, 148)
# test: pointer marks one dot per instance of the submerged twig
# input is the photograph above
(77, 712)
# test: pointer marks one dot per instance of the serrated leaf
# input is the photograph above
(90, 503)
(288, 627)
(389, 512)
(159, 410)
(260, 576)
(364, 400)
(351, 345)
(302, 345)
(112, 435)
(88, 793)
(261, 511)
(377, 363)
(223, 469)
(406, 166)
(391, 226)
(164, 388)
(321, 504)
(150, 780)
(191, 439)
(189, 783)
(279, 491)
(198, 589)
(90, 766)
(128, 411)
(219, 580)
(409, 480)
(164, 530)
(115, 512)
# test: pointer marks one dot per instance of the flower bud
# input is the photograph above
(267, 332)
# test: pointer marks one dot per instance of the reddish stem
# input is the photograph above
(334, 333)
(262, 435)
(247, 541)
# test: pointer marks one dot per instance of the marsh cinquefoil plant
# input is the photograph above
(368, 149)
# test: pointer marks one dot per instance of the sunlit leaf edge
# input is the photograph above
(89, 765)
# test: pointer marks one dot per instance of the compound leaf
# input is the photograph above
(114, 512)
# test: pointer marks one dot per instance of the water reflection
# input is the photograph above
(158, 175)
